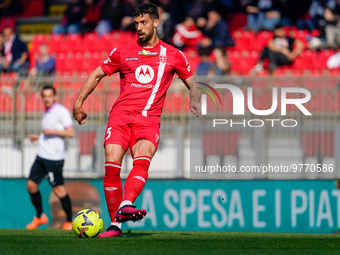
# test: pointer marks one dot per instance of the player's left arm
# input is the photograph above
(67, 132)
(183, 69)
(195, 95)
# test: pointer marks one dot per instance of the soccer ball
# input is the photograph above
(87, 223)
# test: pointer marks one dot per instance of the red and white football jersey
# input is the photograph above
(145, 76)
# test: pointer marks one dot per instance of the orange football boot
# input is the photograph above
(67, 225)
(37, 222)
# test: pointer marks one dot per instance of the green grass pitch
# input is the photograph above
(48, 242)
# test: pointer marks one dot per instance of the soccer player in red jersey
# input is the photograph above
(146, 70)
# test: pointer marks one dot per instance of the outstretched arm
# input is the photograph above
(90, 84)
(68, 132)
(195, 95)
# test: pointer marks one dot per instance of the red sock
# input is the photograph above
(112, 187)
(136, 180)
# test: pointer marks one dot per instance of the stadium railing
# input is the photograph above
(315, 140)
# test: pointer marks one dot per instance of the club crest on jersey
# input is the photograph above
(144, 74)
(146, 52)
(162, 58)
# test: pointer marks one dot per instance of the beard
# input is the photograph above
(147, 37)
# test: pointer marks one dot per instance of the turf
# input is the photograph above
(48, 242)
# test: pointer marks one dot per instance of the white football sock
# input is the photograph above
(117, 224)
(125, 202)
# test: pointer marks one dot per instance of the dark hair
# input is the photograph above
(49, 87)
(150, 9)
(278, 26)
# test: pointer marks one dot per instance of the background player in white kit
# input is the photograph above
(56, 124)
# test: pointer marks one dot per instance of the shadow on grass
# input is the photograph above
(130, 233)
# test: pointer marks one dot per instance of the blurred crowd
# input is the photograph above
(204, 25)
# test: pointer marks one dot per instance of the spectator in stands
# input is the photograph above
(288, 11)
(201, 8)
(329, 32)
(262, 15)
(315, 13)
(215, 29)
(281, 50)
(204, 67)
(304, 20)
(44, 68)
(127, 23)
(73, 15)
(165, 29)
(221, 65)
(111, 14)
(14, 52)
(91, 19)
(186, 34)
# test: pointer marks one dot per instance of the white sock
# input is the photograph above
(117, 224)
(125, 202)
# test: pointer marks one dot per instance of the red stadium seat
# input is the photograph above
(57, 44)
(322, 58)
(315, 33)
(96, 60)
(91, 42)
(244, 40)
(250, 61)
(91, 61)
(106, 42)
(262, 39)
(38, 40)
(307, 60)
(76, 64)
(61, 62)
(235, 60)
(73, 42)
(302, 36)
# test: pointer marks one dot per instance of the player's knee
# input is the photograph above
(114, 154)
(32, 187)
(60, 191)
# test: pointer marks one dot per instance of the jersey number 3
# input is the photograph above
(108, 132)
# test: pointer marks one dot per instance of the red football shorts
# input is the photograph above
(126, 130)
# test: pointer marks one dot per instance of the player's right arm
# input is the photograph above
(107, 67)
(90, 84)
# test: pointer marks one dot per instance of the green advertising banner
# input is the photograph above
(299, 206)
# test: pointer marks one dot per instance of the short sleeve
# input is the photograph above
(66, 118)
(112, 63)
(181, 66)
